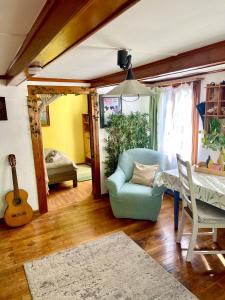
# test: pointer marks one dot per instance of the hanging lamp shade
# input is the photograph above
(130, 87)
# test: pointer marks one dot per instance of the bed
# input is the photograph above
(59, 167)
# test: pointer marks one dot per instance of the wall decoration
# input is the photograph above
(45, 117)
(3, 112)
(109, 106)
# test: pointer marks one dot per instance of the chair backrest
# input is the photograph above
(140, 155)
(186, 185)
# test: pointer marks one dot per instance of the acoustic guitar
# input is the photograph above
(18, 211)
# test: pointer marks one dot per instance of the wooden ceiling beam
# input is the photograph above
(207, 56)
(61, 25)
(42, 79)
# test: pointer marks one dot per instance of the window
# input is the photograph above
(175, 129)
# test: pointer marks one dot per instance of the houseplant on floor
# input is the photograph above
(125, 132)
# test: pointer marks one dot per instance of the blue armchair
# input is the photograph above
(130, 200)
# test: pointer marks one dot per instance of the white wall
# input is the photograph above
(141, 105)
(217, 78)
(15, 138)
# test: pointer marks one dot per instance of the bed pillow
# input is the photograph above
(47, 151)
(52, 156)
(144, 174)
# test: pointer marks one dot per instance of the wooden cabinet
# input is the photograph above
(215, 104)
(86, 136)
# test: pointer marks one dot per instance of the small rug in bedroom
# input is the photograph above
(113, 267)
(83, 172)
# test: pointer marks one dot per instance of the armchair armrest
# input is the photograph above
(115, 181)
(158, 189)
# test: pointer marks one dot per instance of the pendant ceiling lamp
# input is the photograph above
(130, 88)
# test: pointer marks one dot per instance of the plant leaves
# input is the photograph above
(125, 132)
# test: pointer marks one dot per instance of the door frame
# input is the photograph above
(36, 135)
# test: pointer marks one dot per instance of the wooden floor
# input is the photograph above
(61, 195)
(81, 219)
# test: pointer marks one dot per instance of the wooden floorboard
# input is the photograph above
(75, 217)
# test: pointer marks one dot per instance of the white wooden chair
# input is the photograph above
(201, 214)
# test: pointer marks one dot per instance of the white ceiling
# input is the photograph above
(153, 29)
(16, 20)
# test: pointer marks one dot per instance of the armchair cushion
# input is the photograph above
(144, 174)
(136, 191)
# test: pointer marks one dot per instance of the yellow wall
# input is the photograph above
(65, 132)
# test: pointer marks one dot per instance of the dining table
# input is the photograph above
(208, 188)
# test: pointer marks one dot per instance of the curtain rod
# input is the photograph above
(173, 82)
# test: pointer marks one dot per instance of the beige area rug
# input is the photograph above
(113, 267)
(83, 173)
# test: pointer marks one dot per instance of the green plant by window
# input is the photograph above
(214, 139)
(125, 132)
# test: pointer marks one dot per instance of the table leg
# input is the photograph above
(176, 209)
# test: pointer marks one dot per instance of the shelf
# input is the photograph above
(218, 116)
(215, 86)
(215, 101)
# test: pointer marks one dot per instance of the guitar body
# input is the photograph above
(18, 211)
(17, 214)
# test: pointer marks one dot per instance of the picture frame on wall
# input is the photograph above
(3, 111)
(109, 106)
(45, 117)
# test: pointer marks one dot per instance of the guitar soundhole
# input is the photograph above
(19, 214)
(17, 201)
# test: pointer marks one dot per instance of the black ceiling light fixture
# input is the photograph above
(130, 89)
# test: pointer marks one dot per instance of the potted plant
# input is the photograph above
(125, 132)
(215, 138)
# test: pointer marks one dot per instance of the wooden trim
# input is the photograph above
(195, 120)
(195, 76)
(95, 155)
(29, 78)
(37, 145)
(26, 73)
(207, 56)
(61, 25)
(36, 136)
(48, 89)
(178, 81)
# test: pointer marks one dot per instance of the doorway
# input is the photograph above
(67, 152)
(34, 102)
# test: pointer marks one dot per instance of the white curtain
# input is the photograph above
(175, 123)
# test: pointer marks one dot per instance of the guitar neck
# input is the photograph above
(15, 183)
